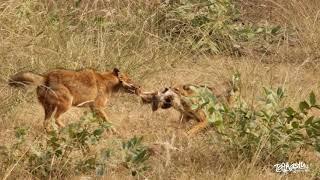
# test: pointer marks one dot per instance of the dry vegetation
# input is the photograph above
(270, 43)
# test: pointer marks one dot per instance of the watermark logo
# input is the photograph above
(294, 167)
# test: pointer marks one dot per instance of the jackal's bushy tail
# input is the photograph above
(23, 79)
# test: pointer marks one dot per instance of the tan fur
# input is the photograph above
(23, 79)
(224, 92)
(58, 90)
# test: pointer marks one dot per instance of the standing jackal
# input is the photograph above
(58, 90)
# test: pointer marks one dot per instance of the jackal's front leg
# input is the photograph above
(101, 113)
(97, 108)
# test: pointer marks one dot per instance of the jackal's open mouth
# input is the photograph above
(157, 99)
(147, 97)
(167, 102)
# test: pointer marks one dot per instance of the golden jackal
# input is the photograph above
(58, 90)
(178, 97)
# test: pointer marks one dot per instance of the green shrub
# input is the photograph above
(268, 132)
(72, 151)
(272, 130)
(135, 155)
(211, 26)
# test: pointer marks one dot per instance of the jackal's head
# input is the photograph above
(125, 82)
(164, 99)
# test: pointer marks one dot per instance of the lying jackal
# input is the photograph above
(180, 98)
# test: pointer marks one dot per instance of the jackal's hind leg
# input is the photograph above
(197, 128)
(55, 100)
(48, 110)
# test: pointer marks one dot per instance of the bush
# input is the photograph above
(72, 151)
(211, 26)
(269, 132)
(135, 154)
(272, 130)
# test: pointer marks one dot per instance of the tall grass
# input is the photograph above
(300, 24)
(160, 43)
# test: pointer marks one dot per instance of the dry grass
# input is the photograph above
(41, 35)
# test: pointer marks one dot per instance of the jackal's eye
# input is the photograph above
(186, 87)
(165, 90)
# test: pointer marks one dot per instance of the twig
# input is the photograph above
(10, 171)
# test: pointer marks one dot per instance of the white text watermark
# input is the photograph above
(286, 167)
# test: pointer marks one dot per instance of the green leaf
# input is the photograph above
(275, 30)
(98, 132)
(218, 123)
(317, 146)
(309, 121)
(295, 124)
(280, 92)
(58, 152)
(316, 124)
(317, 120)
(250, 35)
(20, 132)
(194, 106)
(312, 98)
(289, 111)
(211, 110)
(141, 156)
(303, 106)
(260, 30)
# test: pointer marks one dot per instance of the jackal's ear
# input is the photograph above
(116, 71)
(186, 87)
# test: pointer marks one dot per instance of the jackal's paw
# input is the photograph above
(47, 129)
(114, 131)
